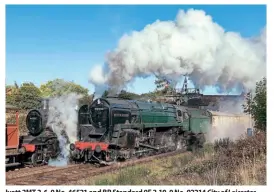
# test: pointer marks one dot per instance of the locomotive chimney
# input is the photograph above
(45, 104)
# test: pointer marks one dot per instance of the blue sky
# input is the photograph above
(45, 42)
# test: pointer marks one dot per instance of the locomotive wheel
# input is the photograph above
(194, 146)
(34, 158)
(192, 143)
(201, 141)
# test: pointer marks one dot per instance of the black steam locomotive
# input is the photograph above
(41, 143)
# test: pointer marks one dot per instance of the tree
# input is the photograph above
(27, 97)
(86, 100)
(11, 91)
(122, 95)
(105, 94)
(60, 87)
(163, 85)
(160, 82)
(127, 95)
(256, 106)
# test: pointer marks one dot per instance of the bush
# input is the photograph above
(232, 163)
(222, 144)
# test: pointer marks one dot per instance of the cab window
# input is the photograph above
(179, 113)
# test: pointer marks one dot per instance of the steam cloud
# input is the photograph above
(229, 127)
(233, 125)
(193, 44)
(63, 120)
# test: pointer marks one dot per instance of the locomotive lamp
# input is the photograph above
(98, 149)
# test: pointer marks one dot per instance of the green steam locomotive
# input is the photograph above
(113, 129)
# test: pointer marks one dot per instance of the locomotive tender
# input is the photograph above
(113, 129)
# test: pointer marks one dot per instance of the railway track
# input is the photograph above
(23, 172)
(69, 175)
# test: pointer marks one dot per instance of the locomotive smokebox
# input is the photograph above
(37, 118)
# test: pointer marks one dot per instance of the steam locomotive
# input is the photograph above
(113, 129)
(38, 146)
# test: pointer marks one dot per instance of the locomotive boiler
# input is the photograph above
(113, 129)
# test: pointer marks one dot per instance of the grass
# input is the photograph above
(242, 162)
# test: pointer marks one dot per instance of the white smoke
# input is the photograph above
(62, 119)
(193, 44)
(233, 106)
(229, 121)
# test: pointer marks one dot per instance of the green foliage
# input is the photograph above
(26, 96)
(123, 95)
(256, 106)
(105, 94)
(159, 82)
(11, 91)
(10, 99)
(86, 100)
(59, 87)
(11, 119)
(29, 96)
(127, 95)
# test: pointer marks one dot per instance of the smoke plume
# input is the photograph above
(193, 44)
(234, 106)
(63, 119)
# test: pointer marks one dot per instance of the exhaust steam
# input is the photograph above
(63, 119)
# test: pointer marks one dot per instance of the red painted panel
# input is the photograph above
(92, 145)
